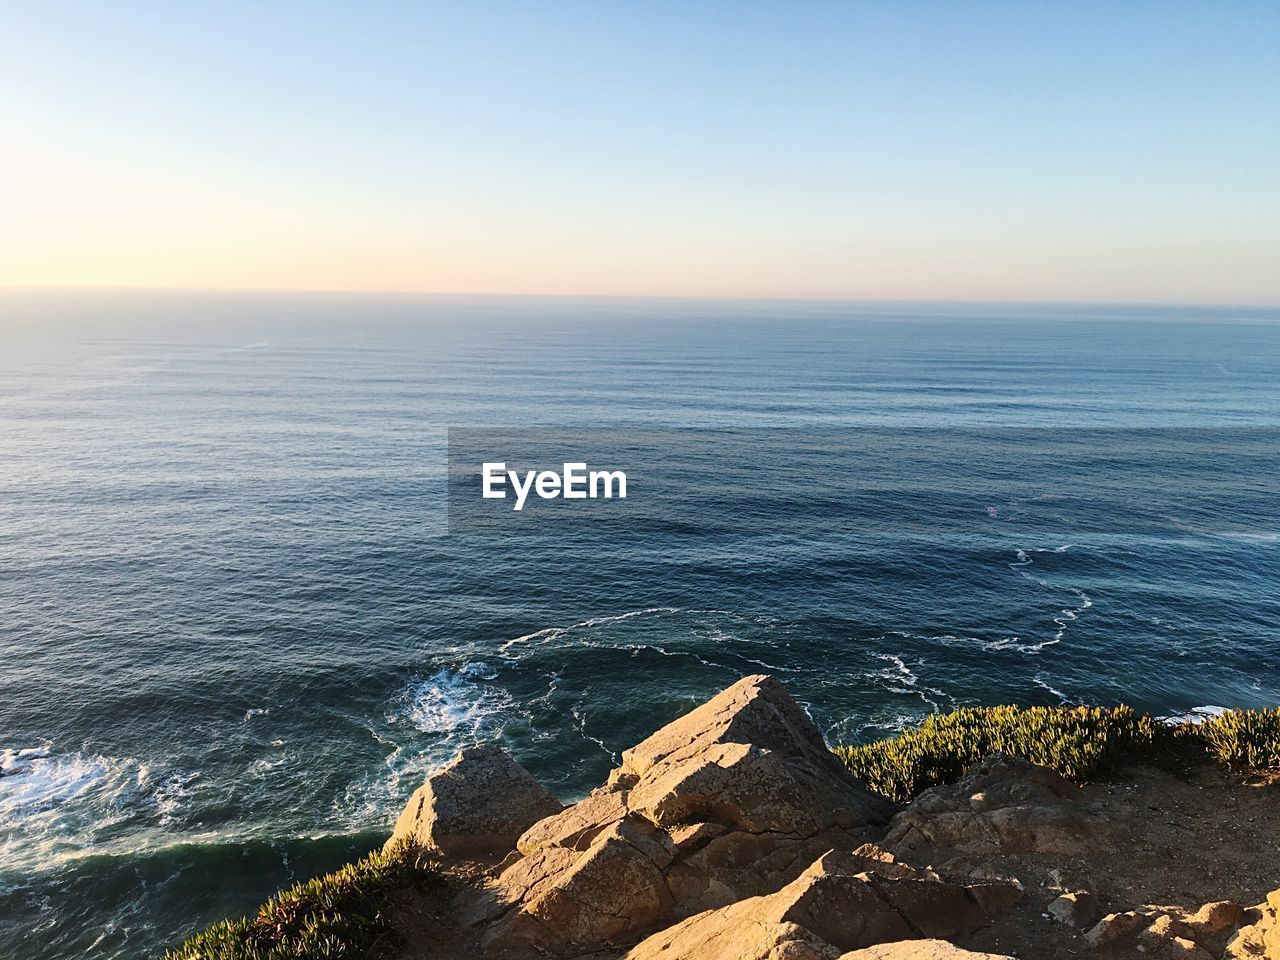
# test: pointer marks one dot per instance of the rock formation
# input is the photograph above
(841, 902)
(733, 800)
(1173, 932)
(1000, 805)
(733, 833)
(1260, 940)
(1076, 909)
(476, 805)
(919, 950)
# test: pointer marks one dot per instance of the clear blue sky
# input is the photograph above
(1028, 150)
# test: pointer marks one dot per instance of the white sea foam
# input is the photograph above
(859, 729)
(16, 761)
(580, 721)
(1196, 715)
(54, 804)
(898, 668)
(1041, 682)
(553, 633)
(901, 679)
(1065, 615)
(35, 780)
(172, 793)
(1010, 642)
(479, 670)
(264, 765)
(451, 702)
(455, 706)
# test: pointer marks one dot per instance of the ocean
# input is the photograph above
(246, 604)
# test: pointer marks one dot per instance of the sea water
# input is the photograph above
(239, 620)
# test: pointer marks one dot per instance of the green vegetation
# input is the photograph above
(339, 916)
(1078, 742)
(1244, 739)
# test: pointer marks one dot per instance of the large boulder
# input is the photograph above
(841, 902)
(1000, 805)
(732, 800)
(475, 806)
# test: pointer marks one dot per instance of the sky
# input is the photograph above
(952, 150)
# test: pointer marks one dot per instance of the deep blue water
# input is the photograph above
(235, 628)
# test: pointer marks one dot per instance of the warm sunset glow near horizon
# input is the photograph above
(934, 150)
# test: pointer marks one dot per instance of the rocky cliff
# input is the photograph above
(735, 834)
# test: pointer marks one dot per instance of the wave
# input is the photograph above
(35, 780)
(1010, 642)
(1064, 616)
(900, 679)
(1044, 684)
(1196, 715)
(551, 633)
(425, 724)
(55, 807)
(580, 721)
(453, 703)
(1245, 536)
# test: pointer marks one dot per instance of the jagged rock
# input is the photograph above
(1170, 931)
(1166, 927)
(1169, 936)
(875, 859)
(847, 901)
(1217, 918)
(1182, 947)
(1077, 909)
(1178, 948)
(1117, 926)
(596, 897)
(732, 800)
(746, 939)
(920, 950)
(1000, 805)
(1260, 940)
(477, 804)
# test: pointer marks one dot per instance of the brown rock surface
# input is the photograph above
(477, 804)
(1260, 940)
(1000, 805)
(1169, 936)
(1219, 917)
(1117, 926)
(847, 901)
(732, 800)
(1077, 909)
(919, 950)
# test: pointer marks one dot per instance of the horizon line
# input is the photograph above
(583, 295)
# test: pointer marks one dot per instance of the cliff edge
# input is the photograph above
(734, 833)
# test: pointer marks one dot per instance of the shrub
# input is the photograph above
(1078, 742)
(1245, 739)
(339, 916)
